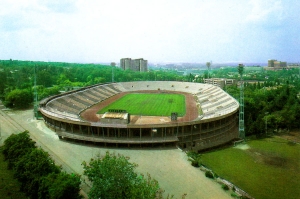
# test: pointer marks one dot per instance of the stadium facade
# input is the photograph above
(211, 116)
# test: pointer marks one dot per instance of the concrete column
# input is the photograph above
(129, 133)
(192, 126)
(80, 129)
(54, 126)
(200, 129)
(140, 133)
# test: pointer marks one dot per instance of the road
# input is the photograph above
(169, 166)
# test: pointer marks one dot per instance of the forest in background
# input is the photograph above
(271, 97)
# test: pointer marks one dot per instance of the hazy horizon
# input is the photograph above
(193, 31)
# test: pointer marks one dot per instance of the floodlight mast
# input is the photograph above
(208, 64)
(112, 64)
(35, 94)
(241, 112)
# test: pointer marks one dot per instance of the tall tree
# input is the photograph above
(30, 169)
(16, 146)
(19, 98)
(113, 177)
(60, 186)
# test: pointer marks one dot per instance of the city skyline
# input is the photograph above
(163, 31)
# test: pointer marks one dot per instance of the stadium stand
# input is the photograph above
(217, 123)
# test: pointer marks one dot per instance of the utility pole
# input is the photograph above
(241, 112)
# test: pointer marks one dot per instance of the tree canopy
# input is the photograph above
(278, 107)
(16, 146)
(113, 176)
(36, 171)
(17, 78)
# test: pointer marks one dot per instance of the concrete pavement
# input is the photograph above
(167, 165)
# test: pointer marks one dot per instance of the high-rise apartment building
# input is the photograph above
(134, 64)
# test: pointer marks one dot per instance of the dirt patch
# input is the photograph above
(293, 136)
(90, 114)
(268, 158)
(275, 161)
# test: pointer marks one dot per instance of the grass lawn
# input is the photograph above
(268, 169)
(9, 187)
(151, 104)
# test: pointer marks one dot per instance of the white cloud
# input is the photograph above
(267, 11)
(98, 30)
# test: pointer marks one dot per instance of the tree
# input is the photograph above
(19, 98)
(241, 70)
(3, 81)
(60, 186)
(39, 176)
(113, 177)
(31, 168)
(16, 146)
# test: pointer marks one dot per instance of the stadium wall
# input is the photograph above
(216, 125)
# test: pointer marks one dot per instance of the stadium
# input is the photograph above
(209, 117)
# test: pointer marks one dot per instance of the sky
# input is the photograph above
(93, 31)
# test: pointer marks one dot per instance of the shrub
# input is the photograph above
(216, 175)
(195, 163)
(209, 174)
(195, 158)
(193, 155)
(233, 189)
(244, 197)
(225, 187)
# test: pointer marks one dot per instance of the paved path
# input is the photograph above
(167, 165)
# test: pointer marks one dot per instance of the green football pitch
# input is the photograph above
(151, 104)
